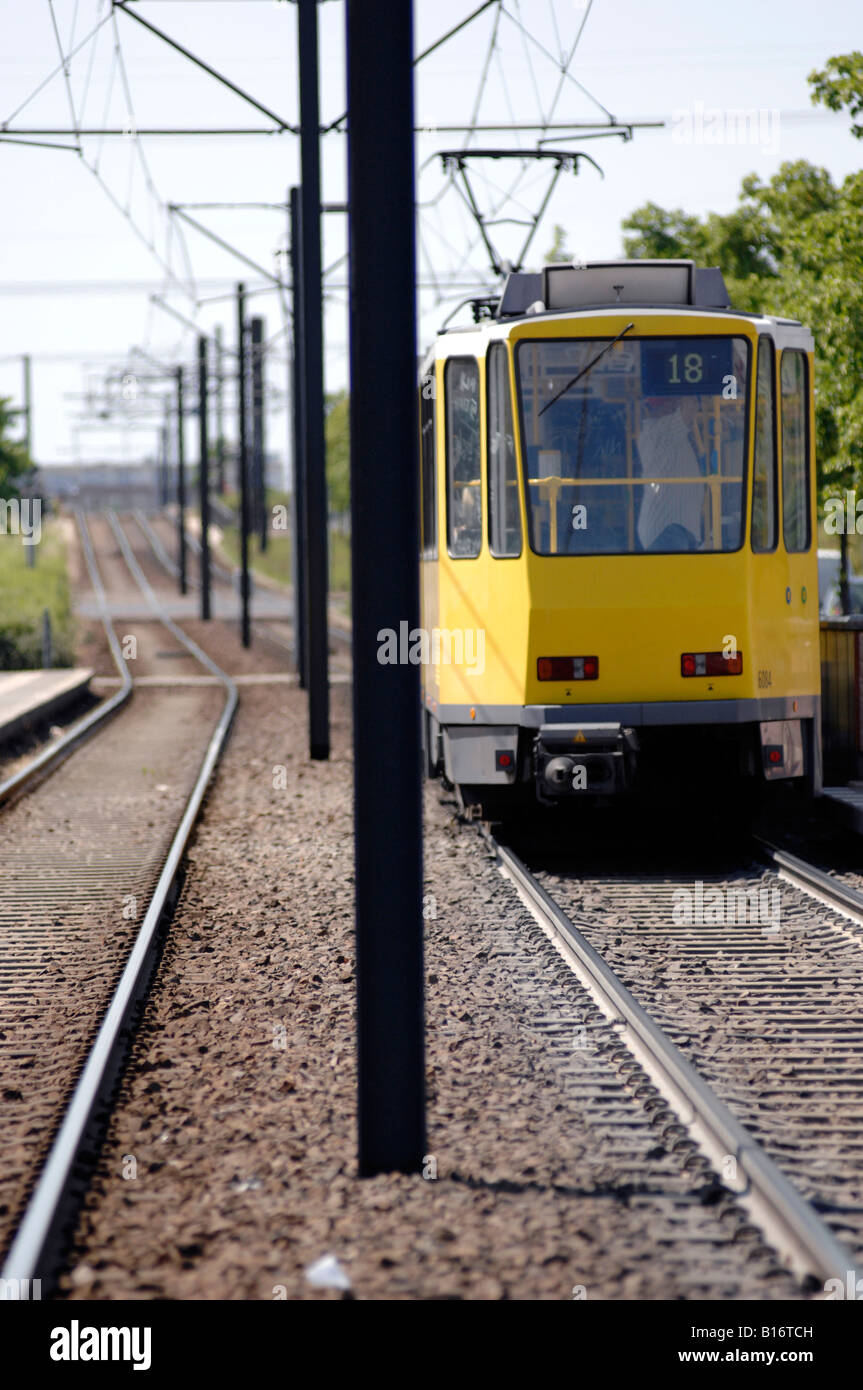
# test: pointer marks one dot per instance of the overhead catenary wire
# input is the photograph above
(117, 66)
(91, 59)
(473, 126)
(64, 63)
(494, 215)
(55, 72)
(448, 256)
(529, 37)
(566, 60)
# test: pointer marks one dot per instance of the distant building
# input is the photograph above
(95, 485)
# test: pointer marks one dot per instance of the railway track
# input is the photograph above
(49, 758)
(835, 889)
(91, 867)
(766, 1012)
(276, 634)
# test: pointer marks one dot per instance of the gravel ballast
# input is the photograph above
(230, 1163)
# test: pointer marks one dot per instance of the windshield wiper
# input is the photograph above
(584, 371)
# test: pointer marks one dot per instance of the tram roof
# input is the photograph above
(572, 288)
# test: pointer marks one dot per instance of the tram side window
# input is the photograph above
(427, 467)
(504, 519)
(795, 453)
(463, 484)
(764, 512)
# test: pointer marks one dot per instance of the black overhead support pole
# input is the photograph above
(313, 384)
(181, 481)
(28, 406)
(299, 479)
(243, 465)
(254, 480)
(164, 483)
(385, 503)
(204, 478)
(257, 332)
(220, 418)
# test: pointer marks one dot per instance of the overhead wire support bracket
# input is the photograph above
(199, 62)
(486, 5)
(175, 313)
(124, 132)
(40, 144)
(592, 131)
(177, 210)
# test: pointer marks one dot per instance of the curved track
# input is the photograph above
(91, 864)
(277, 633)
(50, 758)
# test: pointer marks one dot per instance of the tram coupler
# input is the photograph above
(572, 760)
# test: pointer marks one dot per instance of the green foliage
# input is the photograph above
(338, 440)
(26, 592)
(840, 85)
(15, 462)
(337, 437)
(793, 247)
(24, 595)
(558, 251)
(663, 234)
(275, 561)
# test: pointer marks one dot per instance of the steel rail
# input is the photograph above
(156, 546)
(42, 1227)
(814, 881)
(219, 573)
(50, 758)
(186, 641)
(229, 577)
(788, 1220)
(217, 570)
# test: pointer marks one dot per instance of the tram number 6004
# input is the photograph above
(765, 679)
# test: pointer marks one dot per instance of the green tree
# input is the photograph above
(793, 247)
(338, 442)
(840, 85)
(15, 463)
(751, 243)
(663, 234)
(558, 251)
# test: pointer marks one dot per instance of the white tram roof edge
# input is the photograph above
(787, 333)
(648, 287)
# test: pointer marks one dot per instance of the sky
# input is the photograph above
(86, 239)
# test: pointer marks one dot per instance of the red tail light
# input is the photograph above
(711, 664)
(567, 668)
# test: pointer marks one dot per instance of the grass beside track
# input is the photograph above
(275, 561)
(25, 593)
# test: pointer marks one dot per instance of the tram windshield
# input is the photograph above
(641, 451)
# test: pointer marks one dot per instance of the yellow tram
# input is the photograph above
(618, 563)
